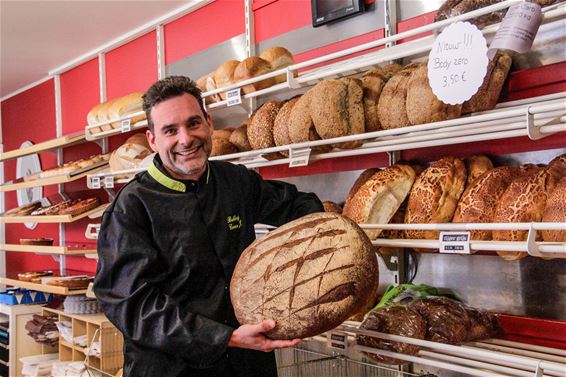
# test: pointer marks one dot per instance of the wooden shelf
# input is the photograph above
(62, 141)
(42, 287)
(63, 250)
(63, 178)
(50, 219)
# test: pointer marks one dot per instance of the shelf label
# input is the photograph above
(518, 29)
(234, 97)
(457, 63)
(109, 181)
(95, 182)
(337, 339)
(455, 243)
(126, 125)
(299, 157)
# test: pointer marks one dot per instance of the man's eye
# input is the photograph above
(169, 131)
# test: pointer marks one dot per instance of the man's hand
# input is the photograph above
(251, 336)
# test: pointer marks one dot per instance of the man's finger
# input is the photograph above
(267, 325)
(282, 343)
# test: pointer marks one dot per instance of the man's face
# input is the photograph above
(182, 135)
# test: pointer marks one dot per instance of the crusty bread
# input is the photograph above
(478, 202)
(260, 128)
(435, 195)
(488, 93)
(130, 154)
(373, 82)
(224, 133)
(555, 211)
(278, 57)
(524, 201)
(301, 126)
(124, 106)
(391, 107)
(476, 165)
(239, 138)
(252, 67)
(224, 75)
(308, 275)
(93, 117)
(222, 146)
(281, 124)
(206, 83)
(380, 197)
(422, 104)
(559, 162)
(366, 174)
(331, 207)
(337, 109)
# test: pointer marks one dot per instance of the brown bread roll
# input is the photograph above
(395, 320)
(126, 105)
(524, 201)
(483, 325)
(222, 146)
(478, 202)
(308, 275)
(281, 124)
(224, 133)
(260, 127)
(278, 57)
(331, 207)
(391, 107)
(252, 67)
(434, 196)
(337, 109)
(422, 104)
(301, 126)
(477, 165)
(555, 212)
(239, 138)
(380, 197)
(488, 93)
(224, 75)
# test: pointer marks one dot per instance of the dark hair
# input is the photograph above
(167, 88)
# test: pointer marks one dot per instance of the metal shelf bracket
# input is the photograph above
(299, 156)
(532, 130)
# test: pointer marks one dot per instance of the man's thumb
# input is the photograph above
(267, 325)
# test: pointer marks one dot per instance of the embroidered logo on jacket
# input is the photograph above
(234, 222)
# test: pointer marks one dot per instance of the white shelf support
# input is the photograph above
(160, 52)
(299, 156)
(532, 130)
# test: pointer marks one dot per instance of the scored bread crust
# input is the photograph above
(478, 202)
(422, 104)
(380, 197)
(555, 211)
(524, 201)
(434, 196)
(309, 276)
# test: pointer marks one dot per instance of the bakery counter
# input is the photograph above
(42, 287)
(51, 218)
(42, 249)
(56, 179)
(63, 141)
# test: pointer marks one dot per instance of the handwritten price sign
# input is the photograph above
(457, 63)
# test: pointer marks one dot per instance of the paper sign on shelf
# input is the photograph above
(126, 125)
(234, 97)
(518, 29)
(109, 181)
(455, 243)
(95, 182)
(337, 339)
(457, 63)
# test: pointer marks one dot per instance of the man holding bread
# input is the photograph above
(169, 243)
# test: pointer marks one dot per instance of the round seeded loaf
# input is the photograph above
(391, 107)
(281, 124)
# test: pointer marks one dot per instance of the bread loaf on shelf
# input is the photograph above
(524, 201)
(224, 75)
(252, 67)
(555, 211)
(434, 196)
(373, 82)
(301, 126)
(362, 178)
(278, 57)
(260, 127)
(377, 200)
(476, 165)
(308, 275)
(221, 144)
(239, 138)
(131, 153)
(281, 124)
(391, 107)
(124, 106)
(331, 207)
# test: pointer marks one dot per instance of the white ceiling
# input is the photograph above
(39, 36)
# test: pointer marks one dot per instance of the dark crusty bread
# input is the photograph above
(373, 82)
(308, 275)
(391, 107)
(281, 124)
(488, 93)
(377, 200)
(422, 104)
(260, 128)
(555, 211)
(435, 195)
(240, 138)
(331, 207)
(523, 202)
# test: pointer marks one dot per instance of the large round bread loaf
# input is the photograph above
(380, 197)
(301, 126)
(278, 57)
(373, 82)
(366, 174)
(523, 202)
(224, 75)
(391, 107)
(435, 195)
(476, 165)
(260, 127)
(126, 105)
(478, 202)
(422, 104)
(488, 93)
(555, 212)
(239, 138)
(252, 67)
(281, 124)
(309, 276)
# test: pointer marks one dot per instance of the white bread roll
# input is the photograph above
(124, 106)
(130, 154)
(224, 75)
(278, 57)
(252, 67)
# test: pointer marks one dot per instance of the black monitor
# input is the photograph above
(325, 11)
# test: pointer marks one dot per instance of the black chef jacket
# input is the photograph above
(167, 250)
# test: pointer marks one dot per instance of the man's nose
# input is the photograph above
(185, 136)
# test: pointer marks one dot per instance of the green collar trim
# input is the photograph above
(168, 182)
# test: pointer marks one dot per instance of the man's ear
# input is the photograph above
(151, 140)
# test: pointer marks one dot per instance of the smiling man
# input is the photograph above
(169, 243)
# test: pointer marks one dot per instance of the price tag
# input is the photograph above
(457, 63)
(109, 181)
(299, 157)
(233, 96)
(518, 29)
(95, 182)
(455, 242)
(337, 339)
(126, 125)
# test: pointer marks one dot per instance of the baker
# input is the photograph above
(169, 243)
